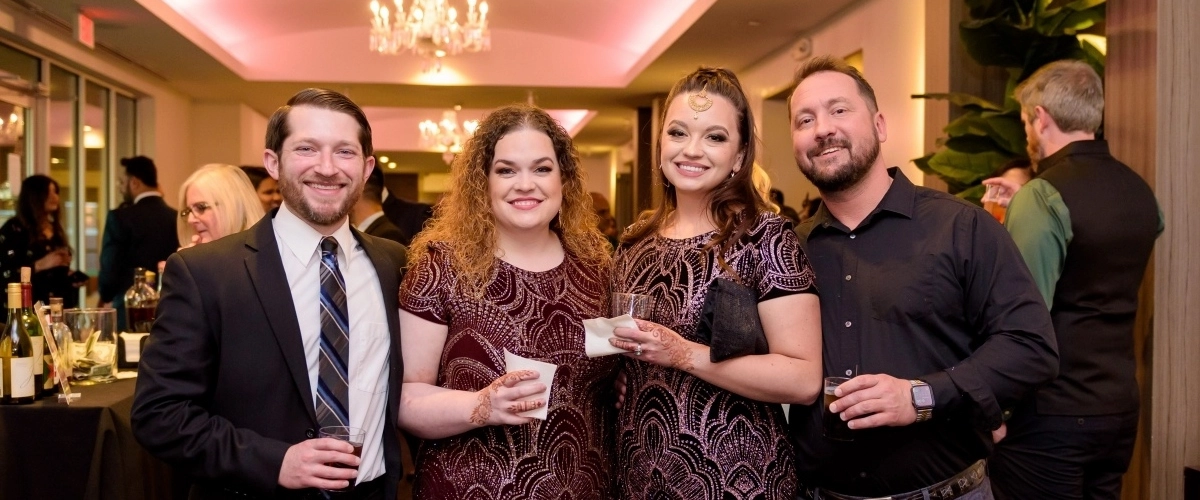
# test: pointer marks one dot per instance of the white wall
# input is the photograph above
(254, 136)
(227, 132)
(891, 36)
(600, 173)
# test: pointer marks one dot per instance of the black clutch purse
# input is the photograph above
(729, 321)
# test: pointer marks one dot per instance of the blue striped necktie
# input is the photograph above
(333, 381)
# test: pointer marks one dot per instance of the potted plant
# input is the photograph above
(1020, 36)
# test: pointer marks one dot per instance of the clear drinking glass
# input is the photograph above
(92, 345)
(352, 435)
(634, 304)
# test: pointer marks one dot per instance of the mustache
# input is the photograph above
(826, 143)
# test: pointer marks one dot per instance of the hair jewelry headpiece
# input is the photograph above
(699, 102)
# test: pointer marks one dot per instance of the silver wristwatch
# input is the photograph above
(922, 400)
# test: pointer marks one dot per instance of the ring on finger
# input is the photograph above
(638, 350)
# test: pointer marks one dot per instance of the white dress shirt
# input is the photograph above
(370, 340)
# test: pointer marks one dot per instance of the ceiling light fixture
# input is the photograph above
(429, 29)
(448, 135)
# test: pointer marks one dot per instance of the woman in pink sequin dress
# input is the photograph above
(512, 260)
(691, 428)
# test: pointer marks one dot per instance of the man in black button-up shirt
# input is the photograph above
(917, 287)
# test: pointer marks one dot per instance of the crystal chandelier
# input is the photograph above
(448, 135)
(429, 29)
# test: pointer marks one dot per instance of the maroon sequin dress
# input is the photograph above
(534, 315)
(680, 437)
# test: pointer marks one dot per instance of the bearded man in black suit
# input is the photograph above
(265, 336)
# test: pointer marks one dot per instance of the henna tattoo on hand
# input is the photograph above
(483, 411)
(674, 347)
(524, 406)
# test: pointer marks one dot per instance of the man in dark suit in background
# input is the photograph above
(409, 216)
(268, 335)
(139, 233)
(368, 217)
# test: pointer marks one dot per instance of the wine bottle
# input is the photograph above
(16, 355)
(41, 369)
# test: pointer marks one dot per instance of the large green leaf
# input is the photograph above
(966, 168)
(973, 194)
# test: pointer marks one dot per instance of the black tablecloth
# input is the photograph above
(86, 450)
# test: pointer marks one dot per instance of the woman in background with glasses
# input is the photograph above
(217, 200)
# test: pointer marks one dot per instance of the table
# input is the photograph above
(92, 442)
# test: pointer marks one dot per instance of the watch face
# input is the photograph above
(922, 396)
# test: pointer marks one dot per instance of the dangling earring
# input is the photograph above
(731, 174)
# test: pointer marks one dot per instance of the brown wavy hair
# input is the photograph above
(464, 222)
(734, 204)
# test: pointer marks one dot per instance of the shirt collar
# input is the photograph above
(1085, 147)
(899, 199)
(370, 219)
(146, 195)
(303, 242)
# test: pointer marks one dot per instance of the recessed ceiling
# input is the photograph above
(608, 57)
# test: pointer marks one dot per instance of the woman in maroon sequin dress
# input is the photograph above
(512, 260)
(690, 428)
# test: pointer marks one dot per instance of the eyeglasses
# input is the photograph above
(197, 208)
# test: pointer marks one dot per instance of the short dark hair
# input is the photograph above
(373, 187)
(278, 130)
(837, 65)
(142, 168)
(255, 173)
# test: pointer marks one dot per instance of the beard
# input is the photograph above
(292, 190)
(839, 178)
(1033, 148)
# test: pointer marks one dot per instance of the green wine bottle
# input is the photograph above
(16, 355)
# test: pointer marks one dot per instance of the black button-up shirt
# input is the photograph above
(932, 288)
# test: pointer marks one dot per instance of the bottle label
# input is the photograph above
(37, 353)
(22, 377)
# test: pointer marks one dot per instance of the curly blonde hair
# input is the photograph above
(464, 221)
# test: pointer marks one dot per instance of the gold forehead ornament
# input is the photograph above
(699, 102)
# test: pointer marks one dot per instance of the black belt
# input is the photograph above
(962, 483)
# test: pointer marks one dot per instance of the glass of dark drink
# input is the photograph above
(352, 435)
(832, 424)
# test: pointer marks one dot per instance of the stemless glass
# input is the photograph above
(92, 345)
(352, 435)
(634, 304)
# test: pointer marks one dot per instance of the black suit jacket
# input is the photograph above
(383, 228)
(408, 216)
(138, 235)
(223, 386)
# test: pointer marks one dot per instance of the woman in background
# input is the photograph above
(690, 427)
(265, 186)
(511, 261)
(217, 200)
(35, 238)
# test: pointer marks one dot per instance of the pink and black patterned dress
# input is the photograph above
(680, 437)
(534, 315)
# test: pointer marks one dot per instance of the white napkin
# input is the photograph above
(133, 346)
(597, 331)
(545, 371)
